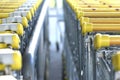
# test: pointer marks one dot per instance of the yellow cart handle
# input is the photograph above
(9, 7)
(106, 41)
(99, 9)
(104, 20)
(98, 14)
(4, 15)
(6, 10)
(89, 27)
(99, 20)
(116, 61)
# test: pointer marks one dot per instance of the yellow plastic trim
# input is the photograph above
(17, 58)
(24, 22)
(6, 10)
(7, 5)
(10, 4)
(8, 31)
(105, 20)
(116, 61)
(17, 62)
(99, 6)
(37, 5)
(101, 14)
(84, 19)
(10, 7)
(106, 27)
(29, 16)
(16, 41)
(100, 9)
(12, 1)
(101, 41)
(16, 3)
(32, 11)
(87, 27)
(77, 9)
(4, 15)
(2, 67)
(34, 6)
(20, 29)
(80, 14)
(3, 45)
(0, 21)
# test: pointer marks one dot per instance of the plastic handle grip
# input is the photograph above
(106, 27)
(104, 20)
(89, 27)
(98, 14)
(17, 62)
(4, 15)
(106, 41)
(100, 9)
(116, 61)
(6, 10)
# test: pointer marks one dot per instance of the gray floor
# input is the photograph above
(56, 30)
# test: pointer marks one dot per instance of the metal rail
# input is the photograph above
(32, 54)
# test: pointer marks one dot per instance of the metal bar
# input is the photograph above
(106, 40)
(30, 54)
(89, 27)
(99, 9)
(99, 14)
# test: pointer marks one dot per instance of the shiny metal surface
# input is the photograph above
(30, 57)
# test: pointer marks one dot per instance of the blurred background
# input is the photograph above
(56, 38)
